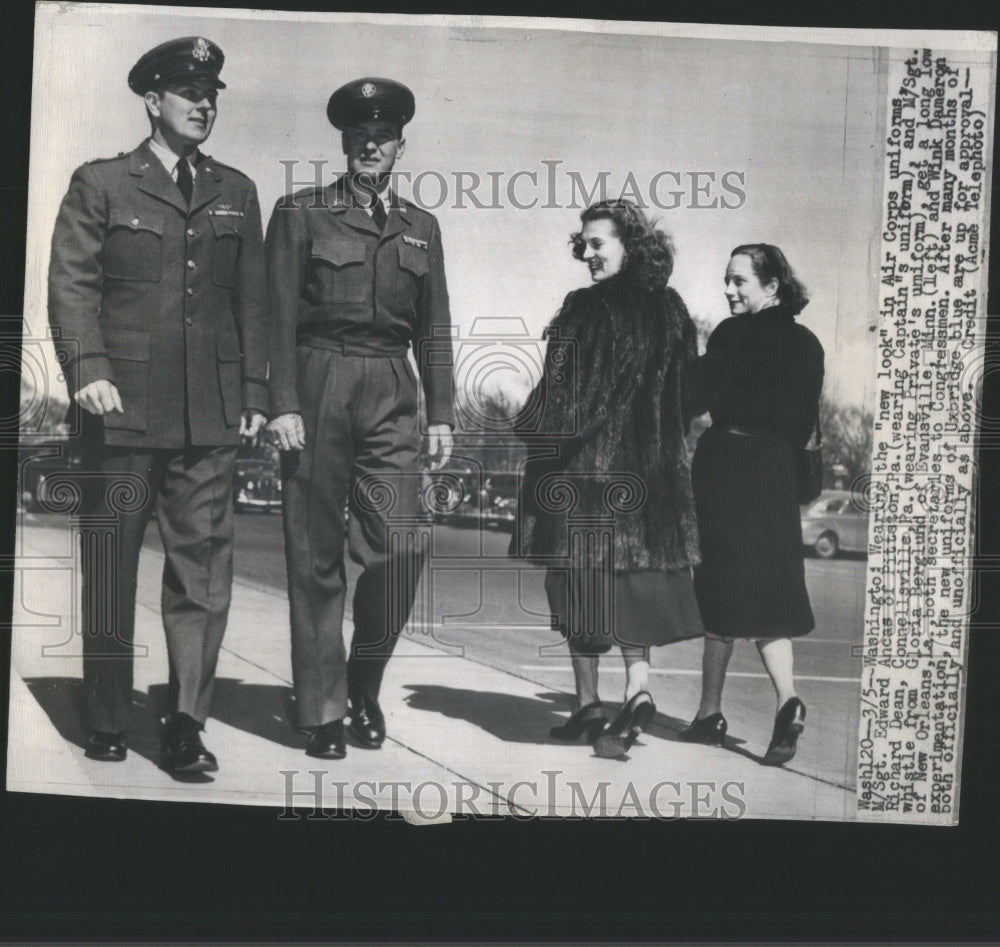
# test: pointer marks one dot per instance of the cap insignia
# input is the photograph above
(201, 52)
(368, 90)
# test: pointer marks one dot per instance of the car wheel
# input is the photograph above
(827, 546)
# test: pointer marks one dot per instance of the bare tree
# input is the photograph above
(486, 429)
(847, 437)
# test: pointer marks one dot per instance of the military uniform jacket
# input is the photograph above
(167, 303)
(335, 280)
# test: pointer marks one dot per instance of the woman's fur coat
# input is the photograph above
(605, 429)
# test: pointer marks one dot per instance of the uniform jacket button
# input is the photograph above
(190, 264)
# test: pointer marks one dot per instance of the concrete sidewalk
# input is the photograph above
(462, 736)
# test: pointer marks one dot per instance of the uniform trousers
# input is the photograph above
(361, 452)
(193, 490)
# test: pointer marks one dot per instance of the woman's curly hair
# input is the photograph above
(649, 253)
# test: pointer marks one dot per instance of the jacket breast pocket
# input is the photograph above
(128, 353)
(339, 265)
(413, 259)
(226, 248)
(230, 356)
(413, 266)
(133, 249)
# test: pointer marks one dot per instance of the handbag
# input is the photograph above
(810, 468)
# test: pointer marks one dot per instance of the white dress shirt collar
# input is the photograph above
(385, 196)
(169, 160)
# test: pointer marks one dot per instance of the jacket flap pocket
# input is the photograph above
(135, 220)
(225, 225)
(413, 259)
(227, 347)
(127, 345)
(338, 251)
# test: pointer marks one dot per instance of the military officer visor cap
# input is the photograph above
(192, 57)
(370, 100)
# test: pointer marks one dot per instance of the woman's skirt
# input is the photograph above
(597, 608)
(751, 581)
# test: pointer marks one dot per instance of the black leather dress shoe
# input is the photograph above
(710, 730)
(327, 741)
(367, 724)
(183, 751)
(632, 719)
(106, 747)
(788, 725)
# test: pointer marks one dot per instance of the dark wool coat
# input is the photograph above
(762, 373)
(605, 429)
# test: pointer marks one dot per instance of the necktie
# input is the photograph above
(379, 215)
(185, 183)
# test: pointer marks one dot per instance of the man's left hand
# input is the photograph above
(439, 444)
(251, 423)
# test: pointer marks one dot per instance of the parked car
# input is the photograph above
(474, 498)
(834, 524)
(256, 478)
(38, 463)
(256, 485)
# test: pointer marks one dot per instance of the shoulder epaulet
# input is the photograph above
(229, 167)
(117, 157)
(305, 197)
(410, 207)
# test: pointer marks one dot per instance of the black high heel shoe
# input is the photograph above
(632, 719)
(710, 730)
(590, 720)
(788, 725)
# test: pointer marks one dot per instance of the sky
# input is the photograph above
(792, 127)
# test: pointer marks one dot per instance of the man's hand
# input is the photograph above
(439, 444)
(251, 422)
(287, 432)
(99, 397)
